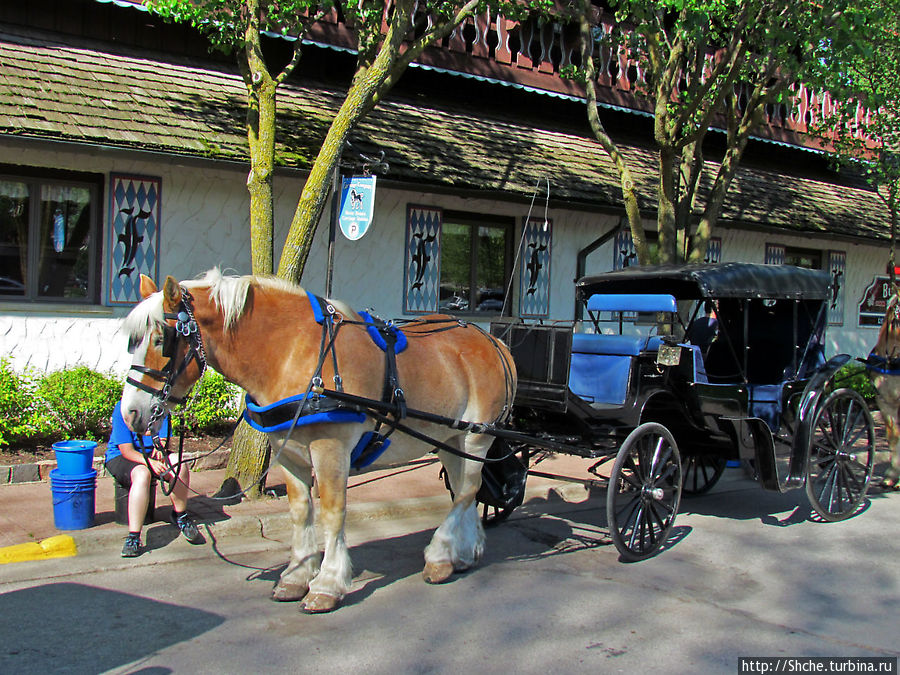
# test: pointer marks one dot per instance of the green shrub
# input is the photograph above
(853, 375)
(211, 406)
(22, 417)
(81, 401)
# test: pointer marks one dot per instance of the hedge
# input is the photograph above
(77, 402)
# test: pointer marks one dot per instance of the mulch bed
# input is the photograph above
(31, 455)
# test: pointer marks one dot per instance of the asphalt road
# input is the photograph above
(748, 573)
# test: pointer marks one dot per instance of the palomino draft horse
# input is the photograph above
(883, 367)
(282, 345)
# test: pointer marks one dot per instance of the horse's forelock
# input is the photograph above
(145, 314)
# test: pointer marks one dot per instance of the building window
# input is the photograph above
(803, 257)
(476, 263)
(49, 236)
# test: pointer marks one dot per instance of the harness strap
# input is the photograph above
(881, 364)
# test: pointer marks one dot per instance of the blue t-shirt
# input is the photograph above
(122, 434)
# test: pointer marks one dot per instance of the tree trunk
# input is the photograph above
(261, 140)
(665, 216)
(249, 457)
(247, 464)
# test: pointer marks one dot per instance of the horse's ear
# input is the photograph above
(147, 287)
(171, 294)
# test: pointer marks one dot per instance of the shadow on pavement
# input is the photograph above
(73, 628)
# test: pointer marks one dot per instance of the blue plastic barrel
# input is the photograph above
(74, 458)
(73, 499)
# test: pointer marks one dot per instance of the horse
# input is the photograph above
(883, 368)
(281, 344)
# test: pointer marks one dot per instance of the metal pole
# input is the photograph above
(332, 226)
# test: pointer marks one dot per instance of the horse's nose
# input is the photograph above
(132, 418)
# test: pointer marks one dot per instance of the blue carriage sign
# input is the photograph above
(357, 205)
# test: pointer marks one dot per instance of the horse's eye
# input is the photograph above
(158, 341)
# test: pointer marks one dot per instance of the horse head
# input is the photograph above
(888, 344)
(168, 355)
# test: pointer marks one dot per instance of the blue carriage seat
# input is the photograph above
(600, 368)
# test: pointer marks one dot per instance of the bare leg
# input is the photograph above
(138, 497)
(179, 494)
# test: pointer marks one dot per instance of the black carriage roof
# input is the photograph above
(723, 280)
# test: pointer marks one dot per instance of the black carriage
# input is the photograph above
(672, 372)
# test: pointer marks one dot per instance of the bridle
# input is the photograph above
(185, 329)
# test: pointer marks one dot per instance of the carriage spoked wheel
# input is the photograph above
(502, 483)
(841, 455)
(644, 492)
(701, 472)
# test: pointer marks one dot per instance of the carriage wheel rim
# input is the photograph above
(837, 480)
(644, 494)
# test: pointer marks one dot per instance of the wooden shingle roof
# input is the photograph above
(59, 89)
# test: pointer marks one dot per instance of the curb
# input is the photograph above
(37, 472)
(60, 546)
(269, 524)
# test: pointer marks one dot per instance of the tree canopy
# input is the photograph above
(704, 65)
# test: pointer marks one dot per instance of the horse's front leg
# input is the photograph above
(304, 563)
(331, 459)
(458, 543)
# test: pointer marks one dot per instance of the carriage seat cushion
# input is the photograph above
(622, 345)
(600, 378)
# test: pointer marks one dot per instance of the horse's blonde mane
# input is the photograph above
(229, 293)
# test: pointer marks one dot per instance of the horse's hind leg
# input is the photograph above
(891, 417)
(304, 562)
(331, 458)
(458, 543)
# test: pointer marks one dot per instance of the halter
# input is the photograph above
(185, 328)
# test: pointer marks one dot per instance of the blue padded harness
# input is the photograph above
(311, 408)
(279, 416)
(377, 330)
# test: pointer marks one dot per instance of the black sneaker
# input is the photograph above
(132, 547)
(185, 523)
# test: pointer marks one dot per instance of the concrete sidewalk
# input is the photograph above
(26, 509)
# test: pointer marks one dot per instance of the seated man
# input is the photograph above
(703, 330)
(125, 461)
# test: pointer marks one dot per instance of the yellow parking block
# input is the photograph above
(60, 546)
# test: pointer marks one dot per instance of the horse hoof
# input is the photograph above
(319, 603)
(437, 573)
(289, 592)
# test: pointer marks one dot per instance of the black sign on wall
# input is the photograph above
(874, 302)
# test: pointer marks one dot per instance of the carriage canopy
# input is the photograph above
(723, 280)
